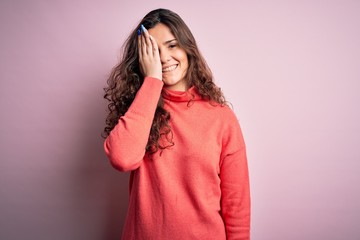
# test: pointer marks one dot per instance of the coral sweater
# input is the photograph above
(196, 189)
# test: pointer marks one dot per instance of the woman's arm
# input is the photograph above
(235, 189)
(126, 143)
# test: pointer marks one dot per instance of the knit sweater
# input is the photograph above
(196, 189)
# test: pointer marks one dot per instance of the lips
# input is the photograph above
(170, 68)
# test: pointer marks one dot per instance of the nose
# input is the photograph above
(164, 56)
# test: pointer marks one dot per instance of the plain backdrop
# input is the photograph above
(291, 70)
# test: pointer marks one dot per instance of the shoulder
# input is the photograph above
(221, 117)
(231, 132)
(225, 113)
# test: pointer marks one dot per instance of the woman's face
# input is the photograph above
(173, 58)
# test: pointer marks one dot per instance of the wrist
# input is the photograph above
(155, 76)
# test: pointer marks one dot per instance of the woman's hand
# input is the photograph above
(149, 58)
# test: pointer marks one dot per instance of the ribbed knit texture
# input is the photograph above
(196, 189)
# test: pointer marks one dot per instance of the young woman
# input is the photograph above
(170, 126)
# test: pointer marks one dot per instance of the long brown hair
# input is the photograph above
(125, 79)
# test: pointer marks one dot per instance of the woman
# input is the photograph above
(170, 126)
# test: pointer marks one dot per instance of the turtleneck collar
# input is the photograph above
(181, 96)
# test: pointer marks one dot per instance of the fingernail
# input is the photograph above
(139, 32)
(143, 28)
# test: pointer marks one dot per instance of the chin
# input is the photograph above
(170, 82)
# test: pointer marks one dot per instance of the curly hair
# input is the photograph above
(126, 78)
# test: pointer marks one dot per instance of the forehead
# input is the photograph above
(161, 33)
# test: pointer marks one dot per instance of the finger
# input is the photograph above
(139, 45)
(154, 45)
(147, 39)
(140, 54)
(143, 45)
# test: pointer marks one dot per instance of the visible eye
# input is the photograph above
(172, 45)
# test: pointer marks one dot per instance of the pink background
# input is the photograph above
(290, 68)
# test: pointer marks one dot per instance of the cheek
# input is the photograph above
(182, 57)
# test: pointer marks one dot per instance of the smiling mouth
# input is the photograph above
(171, 68)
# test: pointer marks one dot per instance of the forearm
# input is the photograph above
(126, 143)
(235, 202)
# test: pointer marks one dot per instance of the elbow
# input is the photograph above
(120, 160)
(124, 166)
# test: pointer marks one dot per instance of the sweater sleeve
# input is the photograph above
(235, 190)
(126, 143)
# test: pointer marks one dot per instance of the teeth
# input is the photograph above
(171, 68)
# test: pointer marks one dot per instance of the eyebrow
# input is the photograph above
(169, 41)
